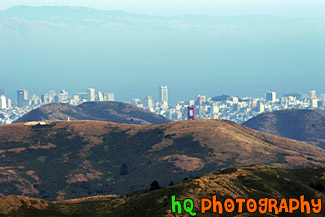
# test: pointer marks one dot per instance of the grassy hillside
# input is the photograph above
(303, 125)
(242, 182)
(118, 112)
(64, 160)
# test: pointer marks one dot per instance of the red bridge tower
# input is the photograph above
(191, 112)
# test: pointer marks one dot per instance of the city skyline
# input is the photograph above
(239, 55)
(156, 96)
(198, 107)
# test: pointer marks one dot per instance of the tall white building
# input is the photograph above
(51, 95)
(163, 94)
(91, 95)
(8, 103)
(3, 102)
(314, 102)
(148, 102)
(100, 96)
(214, 108)
(65, 95)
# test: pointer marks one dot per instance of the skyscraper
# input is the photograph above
(22, 97)
(3, 102)
(163, 97)
(8, 103)
(100, 96)
(314, 102)
(91, 95)
(148, 102)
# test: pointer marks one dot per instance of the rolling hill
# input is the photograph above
(118, 112)
(298, 124)
(73, 159)
(242, 182)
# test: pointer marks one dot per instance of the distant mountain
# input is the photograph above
(220, 98)
(241, 182)
(117, 112)
(75, 42)
(299, 124)
(63, 160)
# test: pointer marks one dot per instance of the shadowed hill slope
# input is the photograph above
(118, 112)
(303, 125)
(242, 182)
(81, 158)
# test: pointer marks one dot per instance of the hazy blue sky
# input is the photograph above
(296, 8)
(73, 48)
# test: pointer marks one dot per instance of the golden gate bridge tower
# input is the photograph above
(191, 112)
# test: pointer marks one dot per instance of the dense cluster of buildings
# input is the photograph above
(201, 107)
(228, 107)
(12, 110)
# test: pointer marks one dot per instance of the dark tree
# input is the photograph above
(124, 170)
(171, 183)
(154, 186)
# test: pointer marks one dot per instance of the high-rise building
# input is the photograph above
(35, 100)
(200, 100)
(314, 102)
(65, 95)
(214, 108)
(163, 94)
(22, 97)
(2, 91)
(8, 103)
(51, 95)
(45, 98)
(91, 95)
(260, 107)
(76, 98)
(312, 94)
(270, 96)
(109, 97)
(100, 96)
(3, 102)
(58, 98)
(148, 102)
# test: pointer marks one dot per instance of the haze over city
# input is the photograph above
(221, 48)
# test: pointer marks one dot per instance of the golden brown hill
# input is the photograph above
(242, 182)
(298, 124)
(118, 112)
(63, 160)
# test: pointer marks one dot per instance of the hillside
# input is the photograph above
(64, 160)
(242, 182)
(303, 125)
(118, 112)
